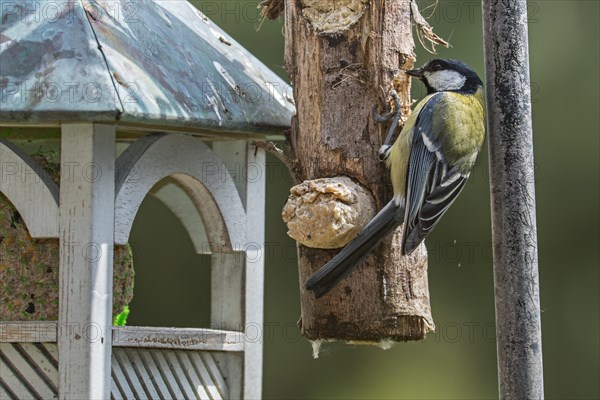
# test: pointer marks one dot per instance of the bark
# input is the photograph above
(339, 73)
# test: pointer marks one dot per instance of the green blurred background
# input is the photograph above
(458, 361)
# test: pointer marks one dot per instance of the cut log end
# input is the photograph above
(406, 328)
(326, 16)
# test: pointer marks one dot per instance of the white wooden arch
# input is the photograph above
(178, 201)
(30, 189)
(198, 171)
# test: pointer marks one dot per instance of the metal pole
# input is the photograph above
(516, 280)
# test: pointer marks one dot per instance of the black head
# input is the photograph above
(442, 75)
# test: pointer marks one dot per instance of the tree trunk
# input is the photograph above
(343, 57)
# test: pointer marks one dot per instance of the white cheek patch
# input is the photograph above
(445, 80)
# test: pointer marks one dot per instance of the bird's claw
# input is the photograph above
(382, 117)
(394, 115)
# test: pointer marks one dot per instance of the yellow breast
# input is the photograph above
(458, 121)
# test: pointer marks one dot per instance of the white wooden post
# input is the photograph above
(227, 275)
(227, 291)
(255, 174)
(246, 165)
(227, 279)
(227, 313)
(86, 233)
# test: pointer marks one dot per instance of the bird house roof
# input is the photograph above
(150, 64)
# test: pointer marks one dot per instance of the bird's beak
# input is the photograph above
(417, 73)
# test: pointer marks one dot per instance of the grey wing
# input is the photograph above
(437, 199)
(431, 186)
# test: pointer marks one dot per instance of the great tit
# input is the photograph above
(429, 162)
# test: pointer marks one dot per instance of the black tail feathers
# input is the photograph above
(344, 262)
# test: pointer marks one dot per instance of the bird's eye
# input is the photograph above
(436, 67)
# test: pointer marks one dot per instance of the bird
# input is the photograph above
(429, 163)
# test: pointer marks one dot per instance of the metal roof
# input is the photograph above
(159, 64)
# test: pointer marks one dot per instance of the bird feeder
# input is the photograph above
(343, 58)
(139, 92)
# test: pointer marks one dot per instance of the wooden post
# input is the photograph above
(238, 283)
(342, 59)
(512, 187)
(228, 272)
(227, 313)
(86, 234)
(255, 271)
